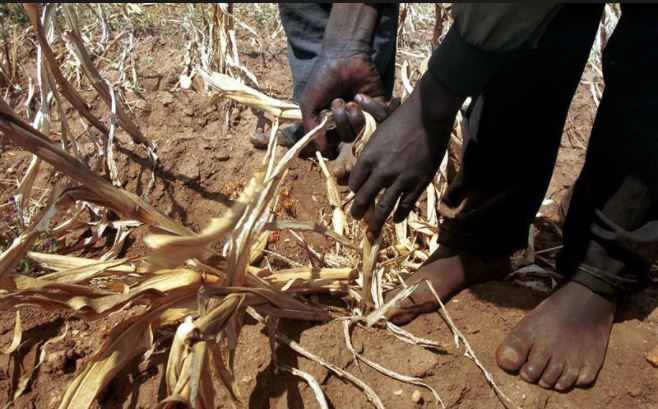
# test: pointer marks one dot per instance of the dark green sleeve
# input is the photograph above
(482, 37)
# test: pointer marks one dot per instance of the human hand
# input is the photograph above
(343, 70)
(404, 154)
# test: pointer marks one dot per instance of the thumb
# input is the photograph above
(312, 118)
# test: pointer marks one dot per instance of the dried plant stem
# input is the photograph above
(386, 371)
(372, 396)
(469, 351)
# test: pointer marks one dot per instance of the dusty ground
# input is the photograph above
(203, 152)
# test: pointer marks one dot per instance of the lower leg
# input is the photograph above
(505, 172)
(611, 231)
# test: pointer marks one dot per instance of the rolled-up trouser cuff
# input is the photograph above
(603, 272)
(463, 68)
(603, 283)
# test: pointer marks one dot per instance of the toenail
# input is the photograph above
(525, 375)
(509, 358)
(531, 372)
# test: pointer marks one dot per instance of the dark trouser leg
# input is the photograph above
(515, 127)
(611, 231)
(304, 24)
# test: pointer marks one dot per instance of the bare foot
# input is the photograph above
(449, 273)
(343, 164)
(562, 342)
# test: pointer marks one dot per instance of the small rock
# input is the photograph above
(55, 361)
(398, 392)
(189, 111)
(185, 81)
(10, 171)
(167, 98)
(236, 114)
(221, 157)
(652, 357)
(417, 397)
(246, 379)
(203, 121)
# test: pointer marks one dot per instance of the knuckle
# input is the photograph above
(382, 209)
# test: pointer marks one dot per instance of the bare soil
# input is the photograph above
(203, 155)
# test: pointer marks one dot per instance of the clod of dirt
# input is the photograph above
(55, 361)
(652, 357)
(236, 115)
(189, 168)
(167, 99)
(142, 105)
(417, 397)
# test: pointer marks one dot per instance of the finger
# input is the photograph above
(341, 120)
(360, 173)
(384, 208)
(355, 116)
(371, 106)
(366, 195)
(407, 202)
(369, 213)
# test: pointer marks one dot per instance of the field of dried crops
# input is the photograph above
(150, 256)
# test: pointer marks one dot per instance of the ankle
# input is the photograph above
(588, 296)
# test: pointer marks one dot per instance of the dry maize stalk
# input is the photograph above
(99, 84)
(67, 89)
(126, 204)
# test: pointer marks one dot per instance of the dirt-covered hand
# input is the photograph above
(342, 71)
(404, 154)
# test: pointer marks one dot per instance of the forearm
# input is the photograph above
(351, 23)
(438, 104)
